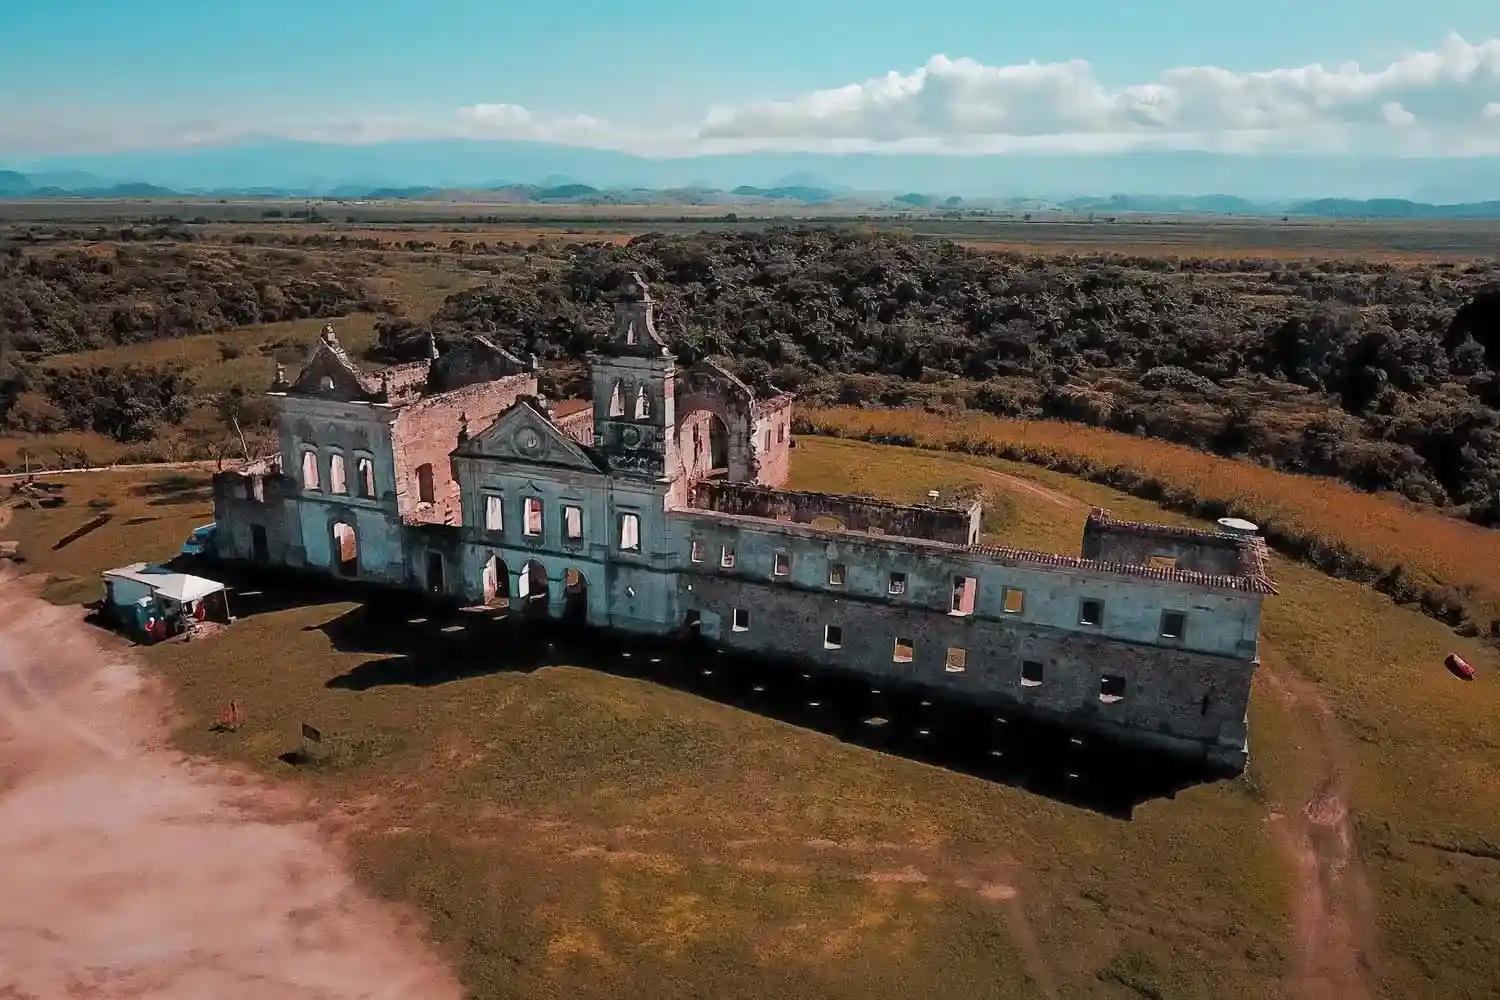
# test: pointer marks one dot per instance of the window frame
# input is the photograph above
(1032, 682)
(317, 470)
(1005, 608)
(696, 550)
(910, 650)
(781, 564)
(364, 473)
(727, 557)
(739, 620)
(528, 505)
(895, 584)
(567, 535)
(837, 573)
(338, 474)
(1108, 680)
(962, 664)
(1098, 619)
(829, 631)
(494, 502)
(632, 519)
(1181, 633)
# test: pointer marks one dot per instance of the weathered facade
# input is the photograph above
(659, 510)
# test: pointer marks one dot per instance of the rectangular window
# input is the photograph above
(957, 661)
(1162, 562)
(1014, 601)
(768, 439)
(1031, 674)
(782, 565)
(366, 471)
(533, 519)
(904, 650)
(741, 620)
(1111, 688)
(780, 433)
(833, 637)
(695, 551)
(964, 590)
(572, 523)
(897, 584)
(1090, 611)
(835, 574)
(494, 512)
(309, 470)
(426, 490)
(630, 533)
(1173, 624)
(726, 558)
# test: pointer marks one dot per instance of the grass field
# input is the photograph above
(594, 832)
(1419, 552)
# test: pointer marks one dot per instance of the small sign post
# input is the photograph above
(312, 742)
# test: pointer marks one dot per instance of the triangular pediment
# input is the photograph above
(523, 435)
(331, 373)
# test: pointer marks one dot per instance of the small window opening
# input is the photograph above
(425, 491)
(726, 558)
(365, 469)
(1014, 601)
(964, 590)
(573, 523)
(1090, 611)
(494, 512)
(897, 584)
(768, 439)
(904, 650)
(1031, 674)
(338, 481)
(617, 400)
(957, 661)
(1160, 561)
(642, 404)
(309, 470)
(1173, 624)
(780, 433)
(741, 621)
(782, 565)
(533, 521)
(835, 574)
(695, 551)
(326, 382)
(1111, 688)
(833, 637)
(630, 533)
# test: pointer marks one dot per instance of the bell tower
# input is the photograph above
(635, 417)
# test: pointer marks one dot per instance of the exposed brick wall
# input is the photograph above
(427, 430)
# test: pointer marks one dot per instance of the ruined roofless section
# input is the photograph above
(832, 511)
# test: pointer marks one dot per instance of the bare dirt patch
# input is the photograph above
(132, 870)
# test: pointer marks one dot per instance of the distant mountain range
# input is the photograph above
(561, 189)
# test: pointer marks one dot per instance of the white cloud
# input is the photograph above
(957, 103)
(1491, 111)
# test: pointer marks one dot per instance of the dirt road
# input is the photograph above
(130, 870)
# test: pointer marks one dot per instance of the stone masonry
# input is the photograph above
(658, 509)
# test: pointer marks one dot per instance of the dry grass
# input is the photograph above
(573, 832)
(1426, 551)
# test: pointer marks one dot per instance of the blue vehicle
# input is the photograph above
(201, 541)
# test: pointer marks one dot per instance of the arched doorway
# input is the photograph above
(575, 596)
(345, 549)
(531, 588)
(703, 444)
(496, 582)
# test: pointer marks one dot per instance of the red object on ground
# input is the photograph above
(200, 612)
(1459, 666)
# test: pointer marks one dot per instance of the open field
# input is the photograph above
(575, 823)
(1415, 550)
(1402, 240)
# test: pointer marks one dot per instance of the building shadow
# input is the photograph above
(417, 644)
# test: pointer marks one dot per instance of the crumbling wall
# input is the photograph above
(954, 525)
(1141, 544)
(427, 430)
(773, 440)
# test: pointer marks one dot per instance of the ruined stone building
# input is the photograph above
(660, 510)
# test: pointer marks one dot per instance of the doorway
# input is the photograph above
(435, 572)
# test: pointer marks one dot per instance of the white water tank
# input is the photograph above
(1238, 526)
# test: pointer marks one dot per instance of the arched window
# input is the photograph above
(337, 481)
(617, 400)
(326, 382)
(365, 468)
(309, 469)
(642, 404)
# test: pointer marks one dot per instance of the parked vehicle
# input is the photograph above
(201, 541)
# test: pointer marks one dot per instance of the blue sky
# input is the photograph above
(667, 78)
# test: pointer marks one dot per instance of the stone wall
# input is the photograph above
(956, 525)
